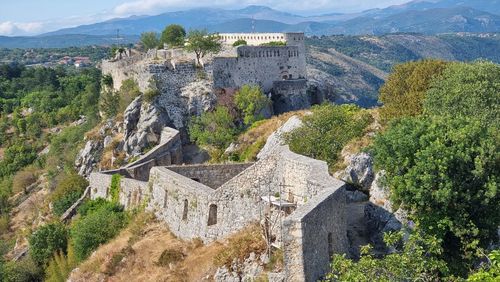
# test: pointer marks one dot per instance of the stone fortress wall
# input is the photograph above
(194, 204)
(229, 70)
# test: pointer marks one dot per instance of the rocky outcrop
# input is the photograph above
(199, 97)
(88, 157)
(144, 122)
(379, 221)
(359, 171)
(379, 194)
(276, 138)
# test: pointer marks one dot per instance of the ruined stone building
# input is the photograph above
(279, 70)
(291, 192)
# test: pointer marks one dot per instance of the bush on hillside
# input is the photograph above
(467, 89)
(213, 129)
(96, 228)
(327, 131)
(46, 241)
(173, 35)
(445, 172)
(67, 192)
(21, 271)
(404, 91)
(251, 102)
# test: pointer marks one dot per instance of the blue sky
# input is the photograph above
(27, 17)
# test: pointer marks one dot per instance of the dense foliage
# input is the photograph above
(239, 42)
(214, 129)
(417, 260)
(150, 40)
(96, 228)
(446, 174)
(328, 130)
(250, 101)
(404, 91)
(67, 192)
(46, 241)
(173, 35)
(467, 89)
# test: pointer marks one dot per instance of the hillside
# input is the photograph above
(352, 68)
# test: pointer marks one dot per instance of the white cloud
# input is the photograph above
(20, 28)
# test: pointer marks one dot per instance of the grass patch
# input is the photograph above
(169, 256)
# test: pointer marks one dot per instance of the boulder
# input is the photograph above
(379, 221)
(276, 138)
(359, 171)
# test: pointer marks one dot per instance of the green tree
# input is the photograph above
(214, 129)
(202, 43)
(46, 241)
(417, 260)
(173, 35)
(445, 172)
(150, 40)
(250, 101)
(327, 131)
(467, 89)
(404, 91)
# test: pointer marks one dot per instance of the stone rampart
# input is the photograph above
(261, 66)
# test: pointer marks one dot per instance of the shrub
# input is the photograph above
(213, 129)
(24, 178)
(67, 192)
(327, 131)
(153, 91)
(404, 91)
(91, 206)
(109, 103)
(274, 43)
(445, 172)
(239, 43)
(467, 89)
(22, 271)
(96, 228)
(489, 272)
(46, 241)
(250, 101)
(60, 266)
(417, 260)
(169, 256)
(127, 93)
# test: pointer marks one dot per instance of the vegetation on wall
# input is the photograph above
(202, 43)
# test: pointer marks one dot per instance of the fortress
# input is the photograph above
(301, 207)
(279, 70)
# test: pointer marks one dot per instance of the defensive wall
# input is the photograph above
(315, 226)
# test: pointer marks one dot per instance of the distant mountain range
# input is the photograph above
(419, 16)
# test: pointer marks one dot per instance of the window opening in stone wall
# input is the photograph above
(165, 199)
(185, 212)
(330, 244)
(212, 215)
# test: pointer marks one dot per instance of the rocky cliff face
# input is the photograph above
(143, 121)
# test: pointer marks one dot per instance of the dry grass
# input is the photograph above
(111, 153)
(251, 141)
(134, 256)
